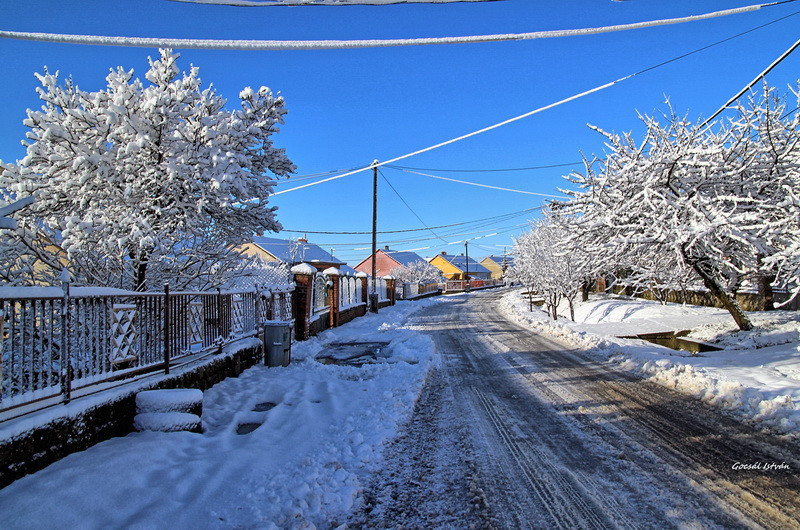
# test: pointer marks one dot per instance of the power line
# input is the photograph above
(739, 94)
(486, 170)
(540, 109)
(407, 205)
(508, 215)
(257, 45)
(482, 185)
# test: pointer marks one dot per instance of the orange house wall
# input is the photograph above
(385, 265)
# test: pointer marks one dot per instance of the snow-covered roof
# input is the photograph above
(347, 269)
(461, 263)
(500, 259)
(404, 258)
(293, 251)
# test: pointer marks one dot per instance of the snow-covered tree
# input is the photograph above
(149, 181)
(547, 262)
(419, 271)
(720, 202)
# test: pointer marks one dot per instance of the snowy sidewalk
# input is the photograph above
(756, 376)
(316, 434)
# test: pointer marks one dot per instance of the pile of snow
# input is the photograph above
(169, 410)
(311, 434)
(756, 375)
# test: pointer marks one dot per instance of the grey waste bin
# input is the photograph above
(277, 343)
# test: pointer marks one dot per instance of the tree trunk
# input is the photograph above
(585, 291)
(767, 301)
(140, 280)
(764, 285)
(728, 302)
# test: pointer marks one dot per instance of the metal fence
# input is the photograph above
(465, 285)
(409, 291)
(53, 341)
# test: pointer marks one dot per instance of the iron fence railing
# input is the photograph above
(53, 341)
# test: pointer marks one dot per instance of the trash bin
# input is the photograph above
(277, 343)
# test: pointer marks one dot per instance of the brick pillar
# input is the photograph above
(390, 285)
(332, 274)
(363, 277)
(301, 299)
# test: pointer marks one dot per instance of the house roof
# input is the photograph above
(499, 260)
(404, 258)
(461, 263)
(292, 252)
(347, 269)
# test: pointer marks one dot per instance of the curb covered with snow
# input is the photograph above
(760, 385)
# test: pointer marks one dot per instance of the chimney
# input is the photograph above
(386, 247)
(444, 253)
(302, 239)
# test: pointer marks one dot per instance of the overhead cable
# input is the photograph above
(750, 85)
(482, 185)
(504, 217)
(494, 170)
(465, 136)
(536, 111)
(408, 205)
(255, 45)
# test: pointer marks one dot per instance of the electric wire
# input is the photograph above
(536, 111)
(750, 85)
(482, 185)
(549, 166)
(410, 209)
(259, 45)
(505, 216)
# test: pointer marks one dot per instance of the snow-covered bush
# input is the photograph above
(142, 183)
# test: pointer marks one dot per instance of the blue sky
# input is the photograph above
(349, 107)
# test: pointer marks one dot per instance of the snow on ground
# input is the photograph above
(756, 376)
(317, 432)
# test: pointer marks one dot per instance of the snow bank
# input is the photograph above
(311, 434)
(755, 377)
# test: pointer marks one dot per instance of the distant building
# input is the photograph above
(459, 267)
(387, 261)
(498, 265)
(292, 252)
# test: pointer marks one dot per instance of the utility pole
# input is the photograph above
(373, 297)
(466, 264)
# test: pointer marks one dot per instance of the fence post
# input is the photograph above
(220, 323)
(390, 293)
(65, 360)
(167, 331)
(362, 277)
(332, 274)
(301, 299)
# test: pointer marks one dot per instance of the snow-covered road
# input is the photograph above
(518, 431)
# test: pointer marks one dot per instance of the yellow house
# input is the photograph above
(497, 265)
(290, 252)
(459, 267)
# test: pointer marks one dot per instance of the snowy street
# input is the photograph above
(470, 418)
(546, 437)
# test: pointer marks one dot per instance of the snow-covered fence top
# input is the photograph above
(56, 340)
